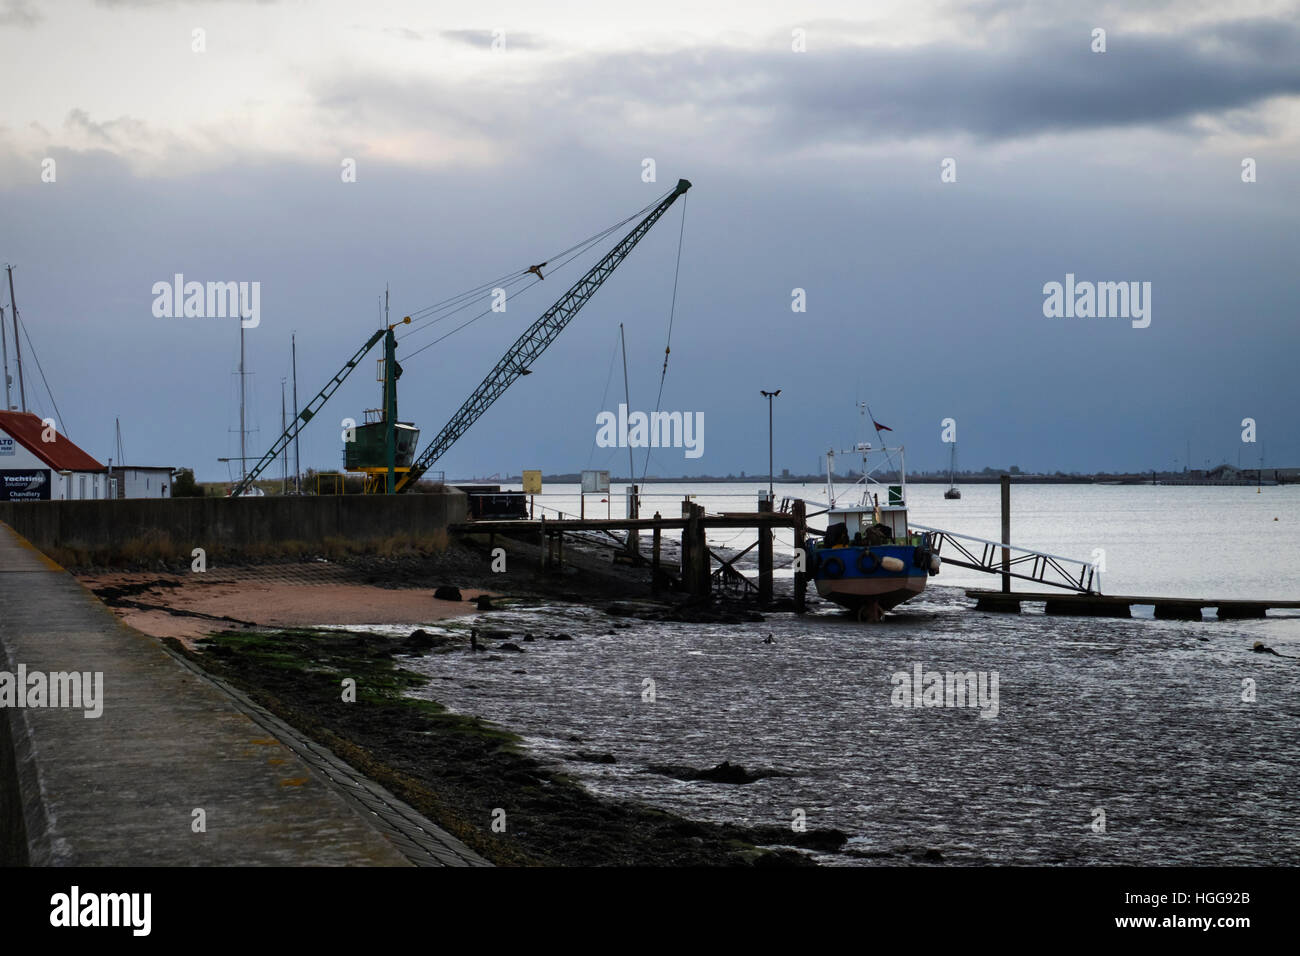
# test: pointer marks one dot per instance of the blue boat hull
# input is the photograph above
(855, 578)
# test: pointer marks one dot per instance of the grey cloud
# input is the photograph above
(1037, 82)
(1044, 81)
(120, 132)
(19, 13)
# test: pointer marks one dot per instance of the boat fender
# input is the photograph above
(890, 563)
(868, 562)
(833, 567)
(921, 557)
(935, 562)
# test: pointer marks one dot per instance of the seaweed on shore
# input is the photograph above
(457, 769)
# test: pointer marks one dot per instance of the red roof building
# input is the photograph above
(39, 464)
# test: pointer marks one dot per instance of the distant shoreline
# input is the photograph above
(1099, 479)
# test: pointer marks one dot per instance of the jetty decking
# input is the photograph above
(696, 571)
(1121, 605)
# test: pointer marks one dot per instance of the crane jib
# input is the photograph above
(534, 341)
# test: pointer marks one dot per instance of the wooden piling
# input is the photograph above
(765, 555)
(1006, 534)
(799, 510)
(654, 556)
(695, 552)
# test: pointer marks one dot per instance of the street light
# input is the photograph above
(769, 396)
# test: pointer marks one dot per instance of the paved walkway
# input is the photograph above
(121, 789)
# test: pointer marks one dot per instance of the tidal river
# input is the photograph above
(1111, 741)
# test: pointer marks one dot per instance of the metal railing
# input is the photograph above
(981, 554)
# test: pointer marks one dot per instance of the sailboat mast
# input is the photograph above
(284, 426)
(297, 462)
(243, 454)
(4, 344)
(18, 347)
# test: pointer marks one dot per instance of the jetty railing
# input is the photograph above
(981, 554)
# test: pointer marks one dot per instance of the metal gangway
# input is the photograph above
(981, 554)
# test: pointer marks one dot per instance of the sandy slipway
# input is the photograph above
(457, 770)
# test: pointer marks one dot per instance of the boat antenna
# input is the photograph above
(879, 437)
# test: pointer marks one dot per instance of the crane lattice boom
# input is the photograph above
(534, 341)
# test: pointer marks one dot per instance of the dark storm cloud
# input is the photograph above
(1037, 81)
(1047, 81)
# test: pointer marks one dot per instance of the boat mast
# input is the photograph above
(18, 348)
(284, 475)
(243, 454)
(830, 470)
(4, 344)
(297, 462)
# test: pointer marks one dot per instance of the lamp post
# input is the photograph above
(769, 396)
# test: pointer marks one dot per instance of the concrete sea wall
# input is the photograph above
(98, 532)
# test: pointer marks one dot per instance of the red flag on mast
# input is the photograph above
(880, 427)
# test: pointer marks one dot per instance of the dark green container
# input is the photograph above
(368, 449)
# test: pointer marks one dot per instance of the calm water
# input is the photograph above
(1157, 540)
(1144, 720)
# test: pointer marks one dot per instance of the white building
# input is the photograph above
(142, 482)
(38, 464)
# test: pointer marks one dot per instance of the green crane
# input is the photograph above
(391, 371)
(526, 349)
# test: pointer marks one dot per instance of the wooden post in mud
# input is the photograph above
(798, 509)
(654, 556)
(701, 549)
(695, 553)
(544, 543)
(1006, 534)
(765, 553)
(690, 554)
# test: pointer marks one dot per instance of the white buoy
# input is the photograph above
(891, 563)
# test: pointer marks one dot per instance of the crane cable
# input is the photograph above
(604, 395)
(573, 253)
(672, 312)
(464, 299)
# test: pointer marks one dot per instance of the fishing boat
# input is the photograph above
(953, 492)
(870, 561)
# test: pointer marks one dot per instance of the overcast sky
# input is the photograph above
(815, 169)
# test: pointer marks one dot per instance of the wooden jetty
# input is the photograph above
(696, 573)
(1121, 605)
